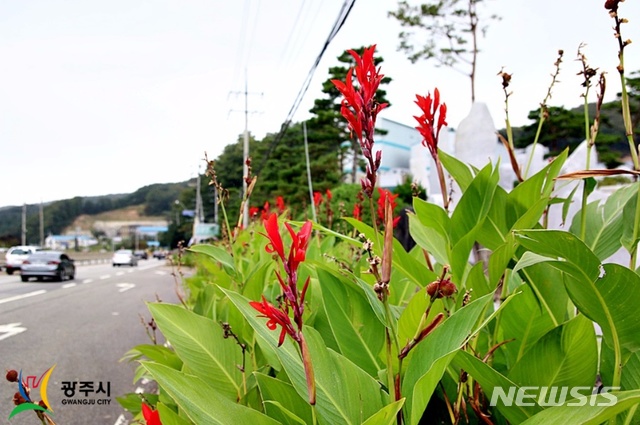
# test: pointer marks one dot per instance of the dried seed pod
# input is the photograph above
(12, 375)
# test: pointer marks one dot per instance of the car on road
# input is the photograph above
(141, 254)
(124, 257)
(16, 255)
(55, 265)
(160, 254)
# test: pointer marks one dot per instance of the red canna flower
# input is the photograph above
(276, 317)
(329, 195)
(292, 298)
(357, 212)
(265, 210)
(317, 199)
(298, 246)
(280, 204)
(151, 417)
(384, 194)
(428, 126)
(253, 212)
(273, 233)
(297, 254)
(360, 109)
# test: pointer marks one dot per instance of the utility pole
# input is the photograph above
(245, 154)
(41, 225)
(198, 213)
(24, 224)
(245, 151)
(306, 154)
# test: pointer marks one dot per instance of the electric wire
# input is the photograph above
(346, 8)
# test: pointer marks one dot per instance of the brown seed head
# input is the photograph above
(12, 375)
(611, 4)
(441, 288)
(18, 399)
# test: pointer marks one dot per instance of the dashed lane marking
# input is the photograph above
(19, 297)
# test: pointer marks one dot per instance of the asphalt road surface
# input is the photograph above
(83, 327)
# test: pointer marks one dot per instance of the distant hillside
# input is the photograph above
(154, 201)
(135, 213)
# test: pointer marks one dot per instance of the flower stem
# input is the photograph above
(443, 184)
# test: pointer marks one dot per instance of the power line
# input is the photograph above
(340, 20)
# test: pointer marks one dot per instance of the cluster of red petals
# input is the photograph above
(263, 212)
(317, 199)
(280, 204)
(151, 417)
(428, 125)
(357, 212)
(277, 317)
(360, 108)
(291, 262)
(384, 194)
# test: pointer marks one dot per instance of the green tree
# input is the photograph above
(453, 29)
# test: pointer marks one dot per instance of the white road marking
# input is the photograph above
(125, 286)
(160, 272)
(115, 313)
(121, 420)
(105, 276)
(119, 273)
(87, 281)
(19, 297)
(139, 390)
(10, 330)
(68, 285)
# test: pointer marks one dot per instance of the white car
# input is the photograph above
(16, 255)
(124, 257)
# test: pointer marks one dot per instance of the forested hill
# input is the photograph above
(157, 200)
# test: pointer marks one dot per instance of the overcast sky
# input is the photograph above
(100, 97)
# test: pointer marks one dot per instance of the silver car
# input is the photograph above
(55, 265)
(124, 257)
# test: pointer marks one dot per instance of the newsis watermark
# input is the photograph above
(553, 396)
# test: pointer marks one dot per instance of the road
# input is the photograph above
(83, 327)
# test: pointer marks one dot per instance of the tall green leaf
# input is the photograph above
(567, 356)
(345, 393)
(218, 254)
(200, 344)
(282, 402)
(201, 402)
(360, 337)
(608, 295)
(491, 380)
(604, 225)
(387, 415)
(524, 321)
(429, 359)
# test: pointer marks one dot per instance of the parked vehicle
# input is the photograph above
(16, 255)
(141, 254)
(124, 257)
(55, 265)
